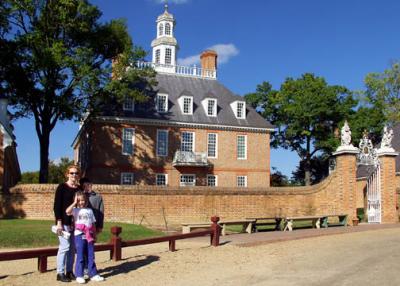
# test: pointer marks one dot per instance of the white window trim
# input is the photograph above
(166, 178)
(182, 103)
(193, 141)
(245, 147)
(192, 175)
(161, 29)
(166, 143)
(166, 102)
(205, 106)
(159, 56)
(245, 182)
(127, 173)
(234, 106)
(216, 180)
(216, 145)
(169, 29)
(128, 109)
(133, 141)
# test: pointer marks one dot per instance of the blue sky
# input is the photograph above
(256, 40)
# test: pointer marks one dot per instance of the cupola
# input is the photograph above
(165, 45)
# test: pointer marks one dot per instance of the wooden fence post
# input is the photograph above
(172, 245)
(42, 263)
(116, 242)
(216, 228)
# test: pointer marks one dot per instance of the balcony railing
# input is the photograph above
(186, 158)
(181, 70)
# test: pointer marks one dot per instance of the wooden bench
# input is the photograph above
(342, 220)
(262, 221)
(316, 221)
(188, 227)
(247, 225)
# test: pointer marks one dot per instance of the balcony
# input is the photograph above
(192, 159)
(180, 70)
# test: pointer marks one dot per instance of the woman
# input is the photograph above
(64, 197)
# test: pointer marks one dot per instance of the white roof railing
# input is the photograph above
(180, 70)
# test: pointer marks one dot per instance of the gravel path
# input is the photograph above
(361, 258)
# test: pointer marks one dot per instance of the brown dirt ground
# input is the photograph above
(364, 258)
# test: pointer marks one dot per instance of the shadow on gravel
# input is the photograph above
(128, 266)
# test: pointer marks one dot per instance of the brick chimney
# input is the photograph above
(208, 60)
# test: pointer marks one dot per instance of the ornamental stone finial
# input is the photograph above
(345, 140)
(345, 135)
(387, 138)
(386, 143)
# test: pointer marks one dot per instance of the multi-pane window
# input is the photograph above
(187, 141)
(211, 180)
(168, 56)
(162, 102)
(162, 142)
(158, 52)
(127, 178)
(160, 30)
(167, 29)
(187, 105)
(212, 107)
(128, 137)
(241, 181)
(240, 111)
(161, 179)
(241, 147)
(129, 104)
(188, 180)
(212, 145)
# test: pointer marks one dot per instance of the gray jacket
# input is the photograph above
(96, 204)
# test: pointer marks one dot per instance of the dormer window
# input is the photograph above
(239, 109)
(129, 104)
(210, 106)
(186, 103)
(167, 29)
(162, 103)
(160, 29)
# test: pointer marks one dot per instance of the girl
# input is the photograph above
(85, 231)
(64, 196)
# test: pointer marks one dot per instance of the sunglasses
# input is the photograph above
(73, 173)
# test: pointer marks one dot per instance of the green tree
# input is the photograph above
(57, 63)
(56, 172)
(319, 169)
(383, 92)
(306, 113)
(278, 179)
(30, 177)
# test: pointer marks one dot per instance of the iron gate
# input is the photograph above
(374, 196)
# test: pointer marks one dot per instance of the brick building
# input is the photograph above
(194, 132)
(10, 172)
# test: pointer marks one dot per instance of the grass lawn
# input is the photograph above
(15, 233)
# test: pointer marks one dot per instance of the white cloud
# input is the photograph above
(224, 51)
(189, 61)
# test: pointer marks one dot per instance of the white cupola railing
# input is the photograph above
(193, 71)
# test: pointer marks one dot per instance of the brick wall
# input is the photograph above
(161, 206)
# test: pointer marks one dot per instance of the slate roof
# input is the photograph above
(176, 86)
